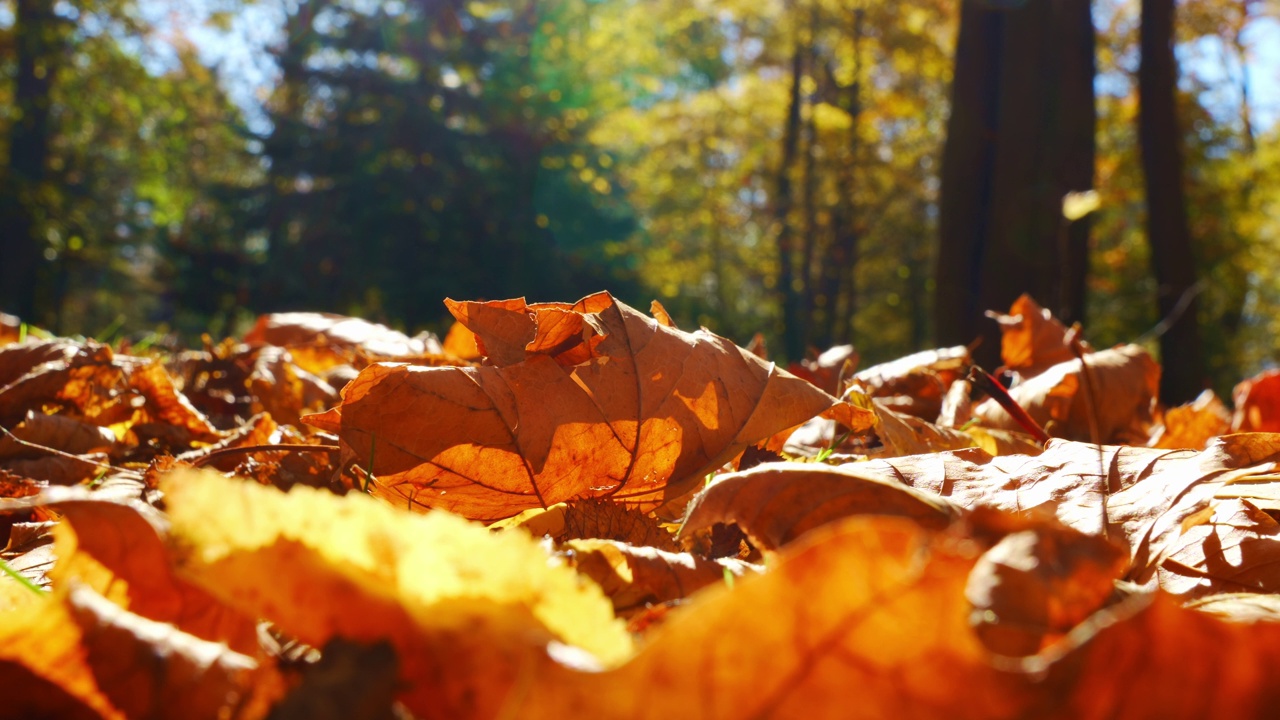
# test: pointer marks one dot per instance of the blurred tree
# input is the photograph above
(426, 149)
(801, 175)
(1167, 231)
(1020, 137)
(38, 42)
(114, 151)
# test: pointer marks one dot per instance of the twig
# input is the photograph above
(992, 387)
(78, 458)
(246, 449)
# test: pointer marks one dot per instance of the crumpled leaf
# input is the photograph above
(775, 503)
(828, 368)
(1125, 382)
(1148, 657)
(1193, 425)
(590, 518)
(1152, 496)
(1032, 340)
(469, 612)
(634, 577)
(16, 360)
(598, 401)
(76, 654)
(57, 432)
(1038, 581)
(904, 434)
(319, 341)
(1257, 403)
(917, 383)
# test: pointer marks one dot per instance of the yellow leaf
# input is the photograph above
(470, 613)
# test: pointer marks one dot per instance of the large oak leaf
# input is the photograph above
(591, 400)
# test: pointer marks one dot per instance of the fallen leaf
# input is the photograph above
(829, 368)
(469, 612)
(1124, 383)
(1148, 657)
(1257, 403)
(117, 549)
(57, 432)
(1032, 340)
(633, 577)
(461, 343)
(319, 341)
(776, 503)
(916, 384)
(590, 518)
(829, 615)
(1193, 425)
(1038, 581)
(76, 654)
(640, 419)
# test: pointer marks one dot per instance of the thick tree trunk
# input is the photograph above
(1020, 136)
(789, 294)
(39, 37)
(1172, 259)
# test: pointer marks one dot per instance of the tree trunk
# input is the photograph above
(793, 330)
(1020, 136)
(39, 37)
(1172, 259)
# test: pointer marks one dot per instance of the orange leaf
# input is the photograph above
(775, 503)
(1031, 339)
(1125, 381)
(639, 416)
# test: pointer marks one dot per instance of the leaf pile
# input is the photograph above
(581, 510)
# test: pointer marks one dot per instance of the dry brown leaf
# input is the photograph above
(635, 577)
(57, 432)
(17, 360)
(1258, 403)
(916, 384)
(283, 389)
(829, 368)
(75, 654)
(1153, 495)
(1038, 581)
(625, 408)
(59, 469)
(1124, 384)
(776, 503)
(470, 613)
(875, 604)
(320, 341)
(904, 434)
(1032, 340)
(73, 376)
(117, 549)
(582, 519)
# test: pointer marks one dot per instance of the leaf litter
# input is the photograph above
(575, 509)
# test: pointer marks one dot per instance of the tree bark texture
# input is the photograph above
(39, 40)
(1172, 259)
(1020, 137)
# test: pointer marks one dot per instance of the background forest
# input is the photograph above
(819, 171)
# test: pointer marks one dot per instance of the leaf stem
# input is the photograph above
(22, 579)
